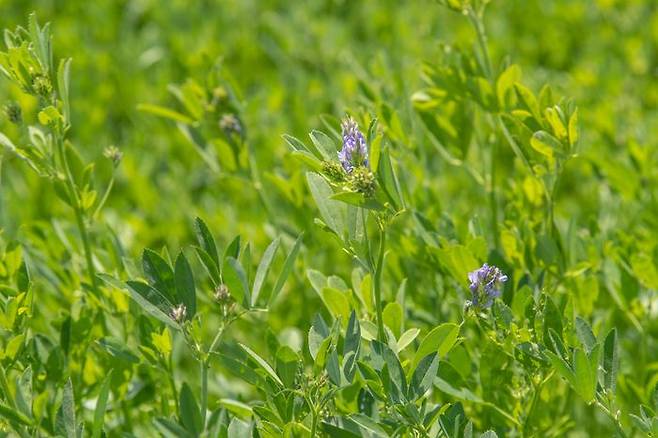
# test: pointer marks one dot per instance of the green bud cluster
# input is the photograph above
(363, 181)
(334, 171)
(14, 113)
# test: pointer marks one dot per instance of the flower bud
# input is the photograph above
(334, 171)
(178, 313)
(222, 294)
(362, 180)
(114, 154)
(14, 113)
(41, 85)
(230, 124)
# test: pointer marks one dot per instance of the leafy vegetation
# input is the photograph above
(332, 219)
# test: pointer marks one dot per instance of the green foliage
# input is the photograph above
(454, 250)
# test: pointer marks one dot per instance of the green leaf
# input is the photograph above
(294, 143)
(552, 319)
(238, 428)
(545, 143)
(236, 280)
(585, 370)
(209, 264)
(205, 239)
(388, 179)
(407, 338)
(562, 368)
(184, 281)
(585, 334)
(528, 99)
(573, 128)
(441, 339)
(351, 347)
(68, 410)
(332, 366)
(117, 349)
(101, 405)
(236, 407)
(395, 373)
(63, 80)
(505, 83)
(287, 364)
(171, 429)
(12, 415)
(337, 302)
(610, 361)
(324, 144)
(190, 416)
(423, 376)
(262, 364)
(167, 113)
(316, 335)
(159, 274)
(287, 268)
(263, 270)
(392, 316)
(24, 392)
(333, 212)
(150, 300)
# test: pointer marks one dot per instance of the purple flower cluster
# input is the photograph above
(486, 285)
(355, 151)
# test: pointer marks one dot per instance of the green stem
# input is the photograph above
(205, 365)
(476, 21)
(493, 205)
(79, 213)
(613, 417)
(204, 391)
(314, 424)
(377, 285)
(172, 383)
(5, 388)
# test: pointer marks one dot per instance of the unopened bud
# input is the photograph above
(230, 124)
(222, 294)
(334, 171)
(41, 85)
(114, 154)
(362, 180)
(178, 313)
(14, 113)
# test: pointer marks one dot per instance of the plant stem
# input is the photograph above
(172, 383)
(476, 21)
(377, 285)
(493, 205)
(613, 417)
(204, 391)
(79, 212)
(205, 365)
(314, 423)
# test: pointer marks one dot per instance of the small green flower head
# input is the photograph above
(334, 171)
(41, 85)
(362, 180)
(14, 113)
(114, 154)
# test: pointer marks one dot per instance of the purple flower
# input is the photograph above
(486, 285)
(355, 151)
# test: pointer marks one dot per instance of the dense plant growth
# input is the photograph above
(456, 249)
